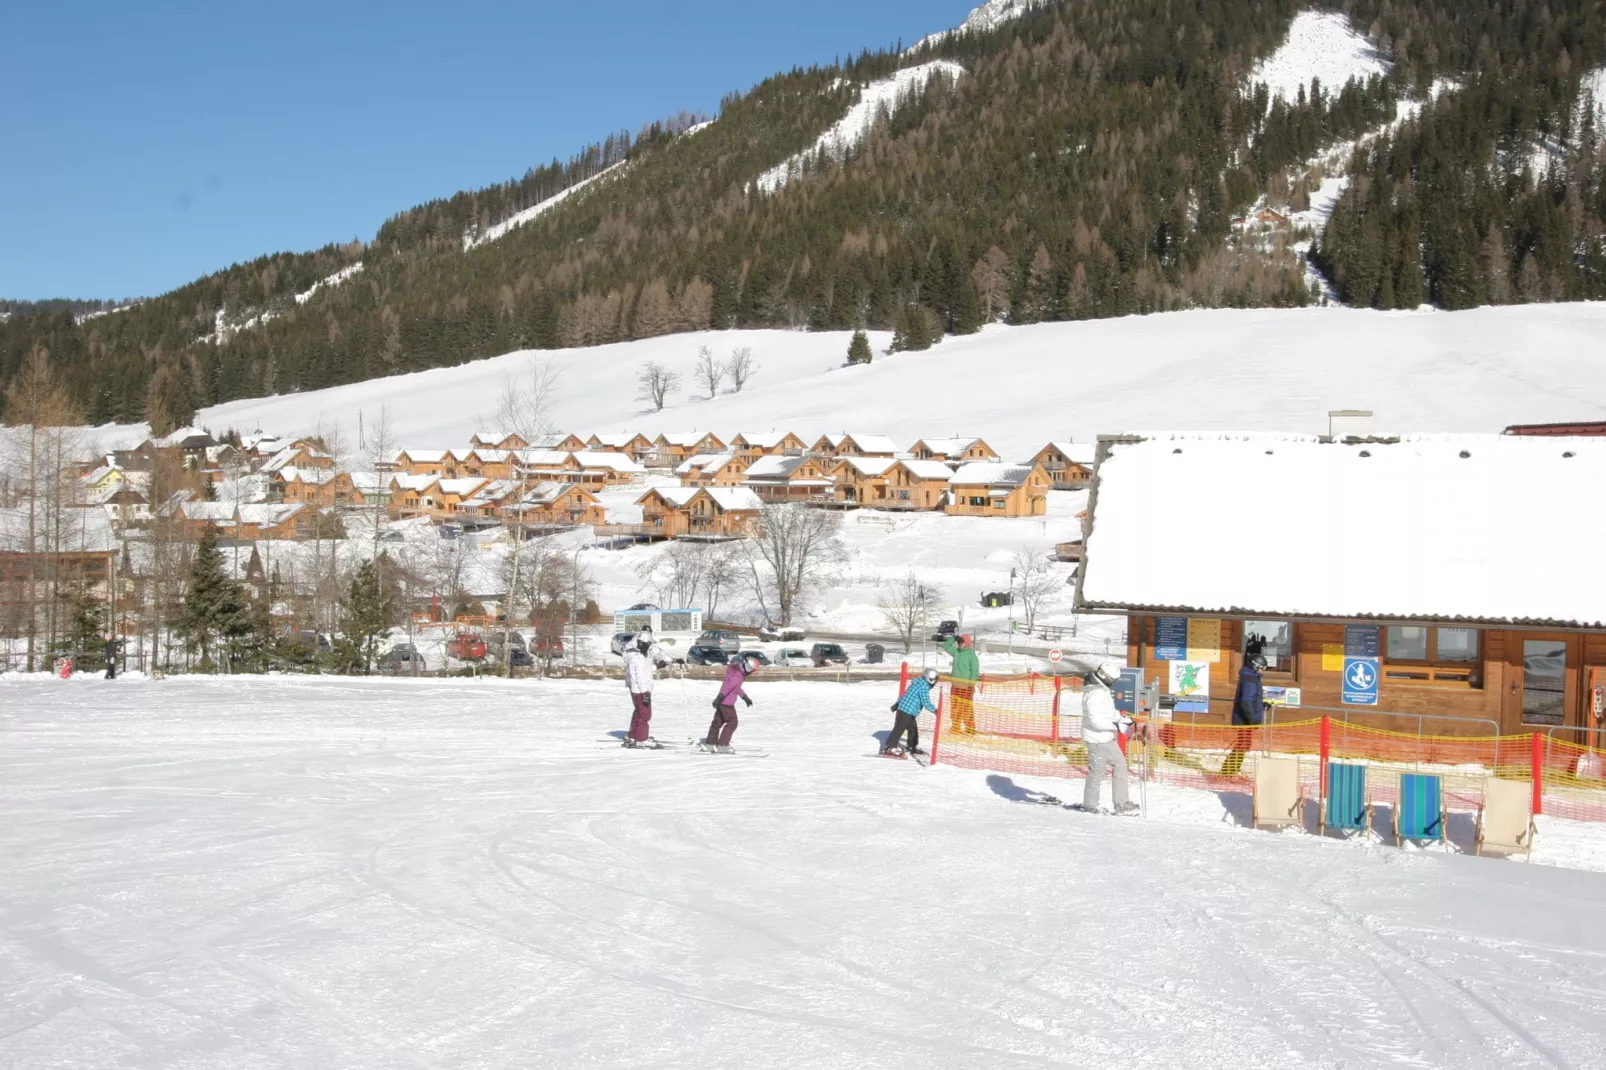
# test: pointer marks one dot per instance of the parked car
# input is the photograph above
(721, 639)
(763, 658)
(945, 630)
(793, 657)
(403, 657)
(520, 659)
(494, 641)
(640, 606)
(546, 646)
(466, 648)
(775, 633)
(622, 642)
(823, 654)
(706, 655)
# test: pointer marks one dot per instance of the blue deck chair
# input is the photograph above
(1348, 808)
(1420, 814)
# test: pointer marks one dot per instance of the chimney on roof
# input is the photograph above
(1348, 423)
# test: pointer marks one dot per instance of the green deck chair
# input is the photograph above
(1348, 808)
(1420, 814)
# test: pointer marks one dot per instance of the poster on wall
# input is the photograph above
(1362, 641)
(1171, 638)
(1204, 639)
(1190, 685)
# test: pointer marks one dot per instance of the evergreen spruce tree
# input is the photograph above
(87, 633)
(366, 614)
(859, 348)
(216, 610)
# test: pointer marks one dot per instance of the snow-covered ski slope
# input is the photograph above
(1020, 387)
(1320, 44)
(318, 872)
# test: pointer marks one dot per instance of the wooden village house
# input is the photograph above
(710, 512)
(1068, 464)
(984, 488)
(952, 451)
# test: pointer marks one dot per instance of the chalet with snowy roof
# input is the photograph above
(298, 455)
(790, 479)
(321, 488)
(125, 506)
(595, 468)
(701, 512)
(952, 451)
(917, 485)
(846, 445)
(712, 470)
(560, 504)
(673, 447)
(1379, 576)
(191, 440)
(987, 488)
(373, 486)
(441, 463)
(636, 446)
(104, 479)
(857, 480)
(1068, 464)
(247, 523)
(485, 505)
(753, 444)
(497, 440)
(405, 494)
(490, 463)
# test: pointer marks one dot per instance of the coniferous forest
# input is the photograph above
(1090, 162)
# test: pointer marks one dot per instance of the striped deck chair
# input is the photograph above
(1420, 814)
(1506, 819)
(1349, 808)
(1279, 800)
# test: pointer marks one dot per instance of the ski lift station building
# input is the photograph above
(1459, 578)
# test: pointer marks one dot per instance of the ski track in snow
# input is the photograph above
(291, 872)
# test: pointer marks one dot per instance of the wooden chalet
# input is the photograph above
(673, 447)
(712, 470)
(637, 447)
(440, 463)
(556, 504)
(1068, 464)
(497, 440)
(492, 462)
(953, 451)
(406, 495)
(321, 488)
(706, 512)
(985, 488)
(125, 506)
(914, 484)
(754, 444)
(858, 480)
(298, 455)
(846, 445)
(790, 479)
(591, 468)
(247, 523)
(1399, 595)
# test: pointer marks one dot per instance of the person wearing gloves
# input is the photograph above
(965, 672)
(1101, 721)
(640, 658)
(915, 698)
(1248, 711)
(724, 723)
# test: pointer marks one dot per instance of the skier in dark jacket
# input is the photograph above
(724, 723)
(114, 647)
(915, 698)
(1248, 711)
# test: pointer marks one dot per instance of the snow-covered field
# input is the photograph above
(1020, 387)
(339, 873)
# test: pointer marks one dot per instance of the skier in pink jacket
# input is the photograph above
(723, 726)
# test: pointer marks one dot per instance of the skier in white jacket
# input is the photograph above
(640, 658)
(1101, 721)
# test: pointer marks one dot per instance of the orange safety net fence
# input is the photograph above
(1032, 725)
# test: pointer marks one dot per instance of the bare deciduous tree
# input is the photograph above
(656, 381)
(1035, 581)
(709, 372)
(688, 574)
(740, 367)
(907, 605)
(790, 557)
(527, 405)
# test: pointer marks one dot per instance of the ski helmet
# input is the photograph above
(750, 664)
(644, 643)
(1257, 662)
(1107, 672)
(930, 675)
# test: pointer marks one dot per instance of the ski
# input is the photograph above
(733, 754)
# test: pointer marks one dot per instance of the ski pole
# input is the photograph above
(685, 708)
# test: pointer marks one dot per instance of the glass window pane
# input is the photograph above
(1408, 642)
(1544, 681)
(1273, 640)
(1458, 644)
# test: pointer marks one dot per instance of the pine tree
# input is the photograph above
(859, 348)
(216, 610)
(366, 614)
(87, 633)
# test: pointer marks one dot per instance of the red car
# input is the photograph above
(466, 648)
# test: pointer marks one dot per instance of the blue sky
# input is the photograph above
(147, 144)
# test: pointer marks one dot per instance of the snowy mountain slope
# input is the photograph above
(849, 131)
(518, 219)
(1020, 387)
(1320, 44)
(990, 15)
(321, 872)
(333, 280)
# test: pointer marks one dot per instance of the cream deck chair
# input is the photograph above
(1505, 820)
(1279, 799)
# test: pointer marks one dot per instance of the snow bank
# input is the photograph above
(518, 219)
(347, 873)
(1022, 387)
(1320, 44)
(852, 128)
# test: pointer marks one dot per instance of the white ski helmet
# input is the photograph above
(930, 675)
(1108, 672)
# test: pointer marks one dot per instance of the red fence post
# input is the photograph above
(1055, 738)
(903, 679)
(1539, 773)
(1327, 750)
(936, 729)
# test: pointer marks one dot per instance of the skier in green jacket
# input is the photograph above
(965, 672)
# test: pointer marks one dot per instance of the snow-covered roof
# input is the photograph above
(618, 462)
(729, 498)
(488, 438)
(868, 466)
(461, 487)
(707, 463)
(991, 473)
(368, 482)
(1081, 453)
(950, 447)
(774, 467)
(216, 512)
(424, 456)
(1417, 529)
(865, 443)
(685, 438)
(547, 492)
(315, 476)
(764, 440)
(407, 481)
(492, 456)
(542, 457)
(928, 469)
(287, 456)
(183, 435)
(672, 495)
(615, 439)
(268, 515)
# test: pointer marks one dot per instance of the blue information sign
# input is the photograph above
(1171, 639)
(1125, 692)
(1360, 681)
(1362, 641)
